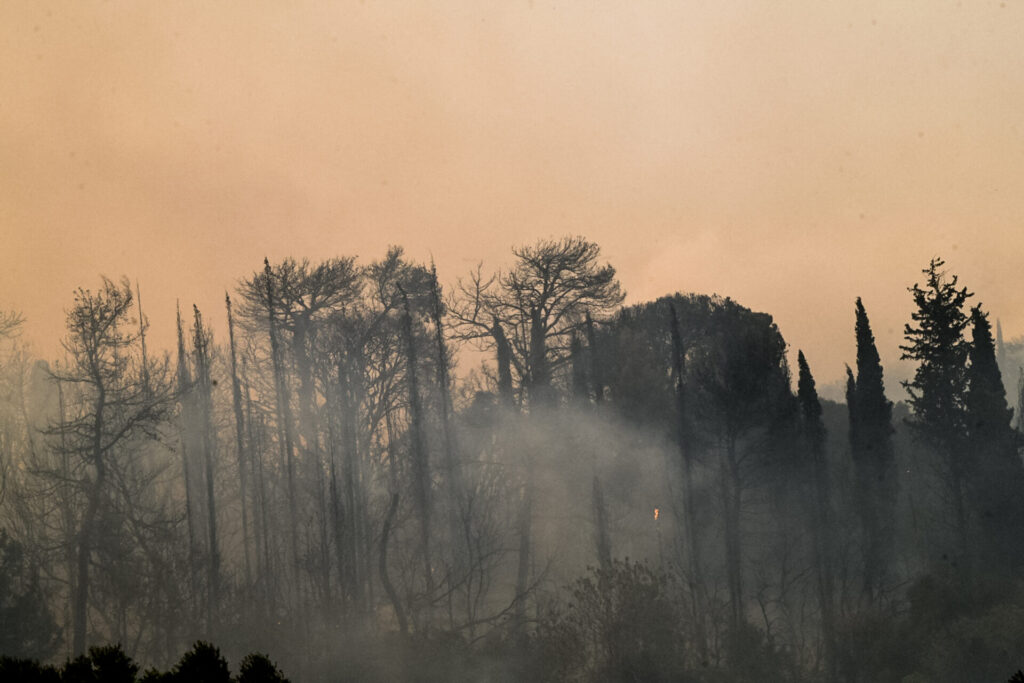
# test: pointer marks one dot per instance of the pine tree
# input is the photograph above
(874, 463)
(937, 392)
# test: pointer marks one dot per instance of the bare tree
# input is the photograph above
(114, 408)
(538, 305)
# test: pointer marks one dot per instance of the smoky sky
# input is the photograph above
(791, 155)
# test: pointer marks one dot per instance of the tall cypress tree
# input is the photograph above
(819, 518)
(937, 391)
(995, 473)
(873, 458)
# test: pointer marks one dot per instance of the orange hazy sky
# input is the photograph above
(792, 155)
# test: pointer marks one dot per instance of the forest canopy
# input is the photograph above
(614, 493)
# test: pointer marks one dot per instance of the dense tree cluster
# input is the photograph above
(317, 481)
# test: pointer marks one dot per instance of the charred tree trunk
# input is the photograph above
(85, 536)
(458, 521)
(504, 353)
(696, 577)
(419, 455)
(596, 376)
(732, 501)
(604, 543)
(525, 543)
(389, 520)
(208, 441)
(284, 420)
(540, 372)
(236, 398)
(185, 402)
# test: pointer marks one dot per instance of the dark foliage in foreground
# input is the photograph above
(110, 664)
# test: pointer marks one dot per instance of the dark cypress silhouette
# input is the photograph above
(995, 473)
(813, 430)
(873, 458)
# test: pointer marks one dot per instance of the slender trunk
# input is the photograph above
(255, 433)
(236, 395)
(382, 566)
(185, 400)
(540, 373)
(504, 358)
(604, 544)
(596, 376)
(821, 533)
(456, 492)
(732, 502)
(284, 420)
(303, 332)
(209, 445)
(344, 505)
(695, 576)
(523, 570)
(142, 337)
(419, 456)
(66, 506)
(85, 537)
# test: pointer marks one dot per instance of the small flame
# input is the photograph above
(656, 511)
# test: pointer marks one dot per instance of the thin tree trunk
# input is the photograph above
(696, 573)
(604, 544)
(209, 445)
(236, 396)
(523, 570)
(732, 502)
(85, 539)
(185, 400)
(389, 519)
(284, 419)
(420, 458)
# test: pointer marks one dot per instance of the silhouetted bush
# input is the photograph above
(202, 664)
(110, 664)
(154, 676)
(27, 671)
(104, 664)
(622, 624)
(257, 668)
(27, 628)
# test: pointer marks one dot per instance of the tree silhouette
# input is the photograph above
(115, 406)
(27, 628)
(937, 392)
(995, 471)
(873, 457)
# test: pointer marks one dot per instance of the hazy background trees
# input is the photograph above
(613, 492)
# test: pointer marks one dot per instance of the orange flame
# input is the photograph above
(656, 514)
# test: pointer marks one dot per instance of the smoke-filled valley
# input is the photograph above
(371, 477)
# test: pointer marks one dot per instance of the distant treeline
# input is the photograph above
(614, 494)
